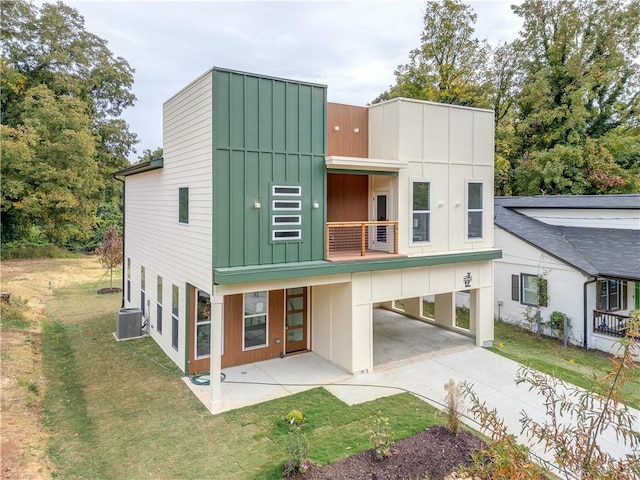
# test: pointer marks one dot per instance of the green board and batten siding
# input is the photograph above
(266, 131)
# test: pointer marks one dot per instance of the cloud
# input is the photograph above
(352, 47)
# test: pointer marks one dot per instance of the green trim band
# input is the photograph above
(282, 271)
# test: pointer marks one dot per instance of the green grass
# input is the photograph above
(572, 364)
(121, 410)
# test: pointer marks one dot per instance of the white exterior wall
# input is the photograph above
(448, 146)
(592, 218)
(154, 238)
(564, 283)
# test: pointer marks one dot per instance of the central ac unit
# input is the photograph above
(128, 323)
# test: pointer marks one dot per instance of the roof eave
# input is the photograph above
(147, 166)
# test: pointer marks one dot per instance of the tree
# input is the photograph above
(49, 46)
(49, 172)
(450, 64)
(110, 252)
(580, 83)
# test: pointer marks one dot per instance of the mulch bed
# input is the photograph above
(435, 451)
(106, 291)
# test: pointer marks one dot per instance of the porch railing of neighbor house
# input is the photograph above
(612, 324)
(361, 239)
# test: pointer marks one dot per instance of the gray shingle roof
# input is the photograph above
(595, 251)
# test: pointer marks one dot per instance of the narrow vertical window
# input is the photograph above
(142, 290)
(159, 306)
(474, 211)
(183, 205)
(255, 323)
(128, 279)
(421, 211)
(203, 325)
(175, 309)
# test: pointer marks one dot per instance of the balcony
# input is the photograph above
(612, 324)
(347, 241)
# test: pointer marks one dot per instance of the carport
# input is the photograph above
(398, 337)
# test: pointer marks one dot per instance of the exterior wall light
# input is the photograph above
(256, 205)
(316, 205)
(336, 128)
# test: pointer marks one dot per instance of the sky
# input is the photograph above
(352, 47)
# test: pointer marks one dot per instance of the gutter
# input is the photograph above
(123, 233)
(584, 300)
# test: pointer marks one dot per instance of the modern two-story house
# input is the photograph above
(276, 222)
(584, 249)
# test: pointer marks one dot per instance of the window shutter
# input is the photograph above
(623, 288)
(515, 288)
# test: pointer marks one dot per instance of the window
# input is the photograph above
(529, 289)
(159, 306)
(203, 325)
(286, 220)
(287, 205)
(183, 205)
(421, 211)
(287, 190)
(611, 295)
(286, 235)
(283, 212)
(128, 279)
(142, 290)
(255, 320)
(474, 211)
(175, 309)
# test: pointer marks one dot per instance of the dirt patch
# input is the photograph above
(435, 451)
(24, 440)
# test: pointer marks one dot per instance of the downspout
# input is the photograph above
(123, 234)
(584, 299)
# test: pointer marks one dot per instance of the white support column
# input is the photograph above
(216, 351)
(484, 317)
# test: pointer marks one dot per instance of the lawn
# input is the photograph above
(121, 410)
(572, 364)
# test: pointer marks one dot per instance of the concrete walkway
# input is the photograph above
(492, 376)
(408, 355)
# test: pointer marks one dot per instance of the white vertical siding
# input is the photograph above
(448, 146)
(179, 253)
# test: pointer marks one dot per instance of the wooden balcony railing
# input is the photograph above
(346, 240)
(612, 324)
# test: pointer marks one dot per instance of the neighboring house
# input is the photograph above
(276, 222)
(584, 250)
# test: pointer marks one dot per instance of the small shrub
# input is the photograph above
(294, 418)
(12, 315)
(381, 436)
(453, 401)
(297, 449)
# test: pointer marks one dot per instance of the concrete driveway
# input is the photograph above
(492, 376)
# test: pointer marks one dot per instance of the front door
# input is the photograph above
(199, 330)
(381, 214)
(296, 320)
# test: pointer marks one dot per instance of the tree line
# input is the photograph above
(566, 91)
(566, 96)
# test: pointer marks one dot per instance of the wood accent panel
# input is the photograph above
(347, 197)
(233, 331)
(345, 142)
